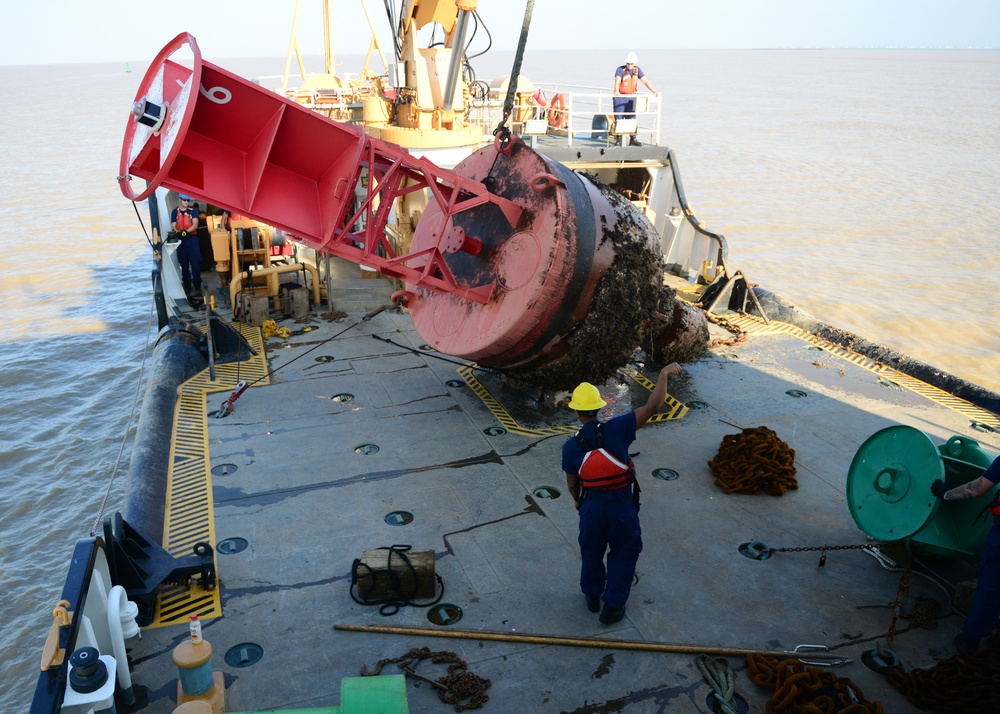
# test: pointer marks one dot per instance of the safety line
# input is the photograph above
(756, 326)
(189, 517)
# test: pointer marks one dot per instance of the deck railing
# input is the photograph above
(587, 110)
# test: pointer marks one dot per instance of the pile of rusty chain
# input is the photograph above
(806, 690)
(964, 683)
(460, 687)
(753, 461)
(925, 613)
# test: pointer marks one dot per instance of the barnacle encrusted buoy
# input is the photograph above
(577, 284)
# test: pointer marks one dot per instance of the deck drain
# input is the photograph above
(665, 474)
(715, 706)
(224, 469)
(814, 348)
(218, 414)
(549, 493)
(325, 358)
(244, 654)
(696, 405)
(345, 397)
(455, 383)
(229, 546)
(399, 518)
(445, 614)
(366, 449)
(979, 426)
(425, 348)
(797, 393)
(494, 431)
(755, 550)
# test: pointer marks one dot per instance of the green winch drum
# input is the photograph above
(889, 492)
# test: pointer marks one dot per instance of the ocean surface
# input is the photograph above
(861, 185)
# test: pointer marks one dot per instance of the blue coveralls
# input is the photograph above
(624, 107)
(189, 254)
(609, 522)
(985, 610)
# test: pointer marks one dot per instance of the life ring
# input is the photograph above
(557, 111)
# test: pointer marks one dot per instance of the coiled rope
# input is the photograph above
(402, 594)
(719, 675)
(754, 461)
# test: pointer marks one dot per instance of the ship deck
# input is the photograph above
(346, 431)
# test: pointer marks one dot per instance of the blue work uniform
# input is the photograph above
(985, 610)
(188, 252)
(609, 520)
(624, 107)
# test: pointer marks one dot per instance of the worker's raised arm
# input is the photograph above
(652, 405)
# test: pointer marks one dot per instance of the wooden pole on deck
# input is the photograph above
(592, 642)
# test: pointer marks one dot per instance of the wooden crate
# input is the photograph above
(378, 585)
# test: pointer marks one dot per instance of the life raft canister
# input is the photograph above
(600, 470)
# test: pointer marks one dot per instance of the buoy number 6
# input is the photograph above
(219, 95)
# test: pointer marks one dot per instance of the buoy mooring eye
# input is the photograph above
(152, 115)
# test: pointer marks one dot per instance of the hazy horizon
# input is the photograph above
(105, 31)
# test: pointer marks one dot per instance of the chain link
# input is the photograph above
(897, 605)
(460, 688)
(818, 547)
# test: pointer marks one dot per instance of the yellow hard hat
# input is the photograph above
(586, 398)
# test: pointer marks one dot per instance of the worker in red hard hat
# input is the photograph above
(601, 478)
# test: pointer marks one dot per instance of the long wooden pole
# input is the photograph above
(593, 642)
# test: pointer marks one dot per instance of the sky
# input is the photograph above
(71, 31)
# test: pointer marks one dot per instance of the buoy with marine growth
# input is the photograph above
(518, 263)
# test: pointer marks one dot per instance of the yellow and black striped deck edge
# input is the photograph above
(756, 326)
(676, 410)
(188, 516)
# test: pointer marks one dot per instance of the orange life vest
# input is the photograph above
(600, 470)
(183, 221)
(630, 82)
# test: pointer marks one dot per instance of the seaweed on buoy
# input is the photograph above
(630, 300)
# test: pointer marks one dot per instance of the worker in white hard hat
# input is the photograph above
(627, 78)
(601, 479)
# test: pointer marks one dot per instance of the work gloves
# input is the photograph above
(938, 488)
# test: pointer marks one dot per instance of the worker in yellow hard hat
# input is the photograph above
(601, 478)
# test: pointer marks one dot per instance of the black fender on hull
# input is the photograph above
(177, 357)
(781, 309)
